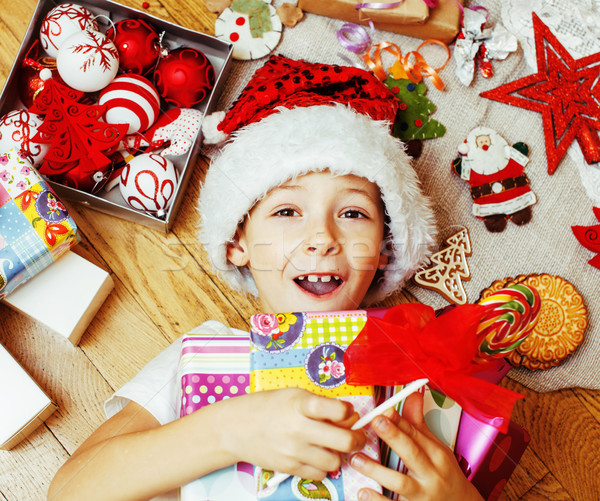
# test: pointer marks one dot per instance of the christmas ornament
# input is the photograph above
(148, 183)
(449, 269)
(496, 173)
(184, 77)
(30, 82)
(474, 43)
(252, 26)
(412, 119)
(175, 131)
(564, 91)
(130, 99)
(78, 140)
(87, 61)
(17, 130)
(63, 21)
(589, 237)
(137, 43)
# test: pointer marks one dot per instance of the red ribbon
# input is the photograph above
(411, 343)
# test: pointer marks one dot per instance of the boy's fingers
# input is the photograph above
(413, 409)
(323, 408)
(406, 440)
(388, 478)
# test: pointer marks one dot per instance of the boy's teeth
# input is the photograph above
(316, 278)
(313, 278)
(326, 278)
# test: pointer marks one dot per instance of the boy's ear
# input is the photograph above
(383, 260)
(237, 253)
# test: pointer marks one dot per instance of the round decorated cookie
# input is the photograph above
(561, 323)
(254, 34)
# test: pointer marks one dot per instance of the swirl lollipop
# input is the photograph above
(511, 314)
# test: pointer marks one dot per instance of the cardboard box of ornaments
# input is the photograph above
(172, 37)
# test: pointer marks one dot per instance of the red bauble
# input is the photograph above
(30, 83)
(184, 77)
(137, 43)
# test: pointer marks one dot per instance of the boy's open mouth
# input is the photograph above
(319, 284)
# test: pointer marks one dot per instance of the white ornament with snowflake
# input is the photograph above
(88, 61)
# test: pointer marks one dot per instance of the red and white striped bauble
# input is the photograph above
(131, 99)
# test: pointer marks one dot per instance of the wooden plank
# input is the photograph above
(548, 488)
(528, 472)
(28, 469)
(555, 421)
(591, 400)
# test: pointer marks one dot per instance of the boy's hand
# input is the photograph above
(290, 430)
(433, 472)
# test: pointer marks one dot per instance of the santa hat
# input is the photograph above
(294, 118)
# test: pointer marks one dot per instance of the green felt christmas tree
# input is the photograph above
(413, 119)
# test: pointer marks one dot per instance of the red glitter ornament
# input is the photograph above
(137, 43)
(184, 77)
(563, 91)
(30, 83)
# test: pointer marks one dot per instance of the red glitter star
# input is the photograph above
(565, 91)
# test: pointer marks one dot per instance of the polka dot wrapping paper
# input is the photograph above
(35, 227)
(306, 350)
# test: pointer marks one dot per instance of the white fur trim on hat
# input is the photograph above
(293, 142)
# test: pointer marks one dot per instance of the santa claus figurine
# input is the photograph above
(496, 173)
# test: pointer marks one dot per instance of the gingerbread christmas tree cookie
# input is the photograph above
(448, 269)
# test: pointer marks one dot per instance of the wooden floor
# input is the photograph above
(163, 287)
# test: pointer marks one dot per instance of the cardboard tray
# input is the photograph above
(217, 51)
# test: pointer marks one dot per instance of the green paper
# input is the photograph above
(414, 122)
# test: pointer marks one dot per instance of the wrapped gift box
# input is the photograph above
(35, 227)
(487, 456)
(306, 350)
(219, 54)
(212, 368)
(23, 405)
(441, 23)
(408, 12)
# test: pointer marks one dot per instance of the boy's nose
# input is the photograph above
(322, 243)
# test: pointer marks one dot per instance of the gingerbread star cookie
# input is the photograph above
(561, 324)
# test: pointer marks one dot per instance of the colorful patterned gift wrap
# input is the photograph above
(214, 368)
(306, 350)
(35, 227)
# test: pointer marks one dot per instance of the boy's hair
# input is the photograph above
(293, 142)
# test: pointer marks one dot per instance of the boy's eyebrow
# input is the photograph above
(359, 191)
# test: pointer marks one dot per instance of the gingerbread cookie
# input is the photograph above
(561, 324)
(448, 269)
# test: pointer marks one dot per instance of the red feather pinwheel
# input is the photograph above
(410, 343)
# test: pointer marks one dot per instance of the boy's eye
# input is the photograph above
(287, 213)
(353, 214)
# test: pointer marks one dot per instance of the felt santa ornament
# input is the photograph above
(495, 172)
(296, 117)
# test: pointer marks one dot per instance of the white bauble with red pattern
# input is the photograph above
(63, 21)
(148, 183)
(131, 99)
(17, 128)
(87, 61)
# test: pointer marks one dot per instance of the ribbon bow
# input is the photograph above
(476, 43)
(410, 343)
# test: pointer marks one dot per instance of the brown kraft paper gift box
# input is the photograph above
(442, 23)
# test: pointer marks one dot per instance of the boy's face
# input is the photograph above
(314, 243)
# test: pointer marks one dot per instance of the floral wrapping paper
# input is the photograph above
(35, 227)
(306, 350)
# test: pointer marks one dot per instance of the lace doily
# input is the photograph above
(576, 24)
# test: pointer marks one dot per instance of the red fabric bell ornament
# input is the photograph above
(138, 45)
(411, 343)
(184, 77)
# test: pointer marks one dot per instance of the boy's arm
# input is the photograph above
(132, 457)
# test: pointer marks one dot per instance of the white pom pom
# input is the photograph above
(211, 134)
(45, 74)
(463, 148)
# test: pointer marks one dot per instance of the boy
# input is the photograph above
(312, 206)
